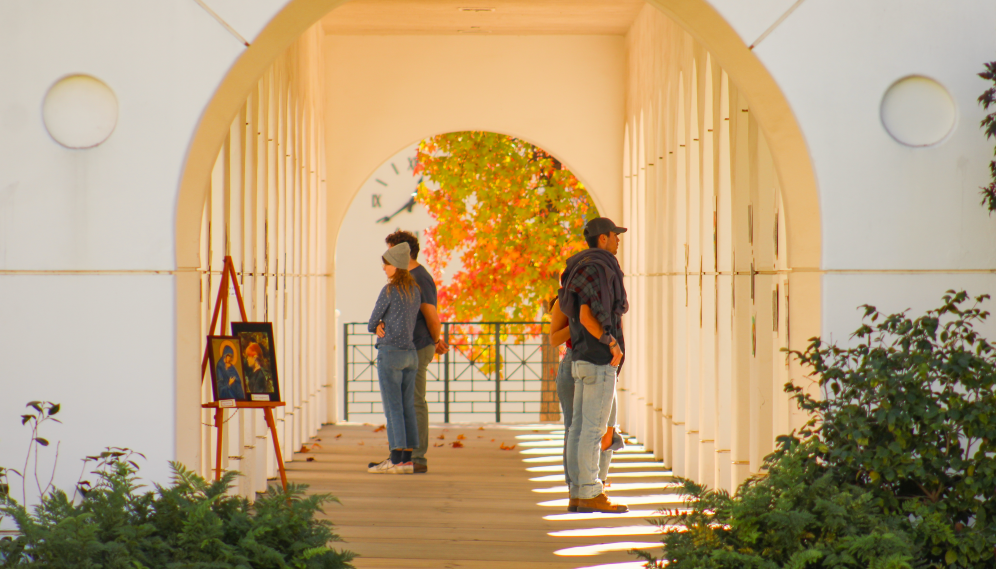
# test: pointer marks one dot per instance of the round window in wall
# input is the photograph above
(918, 111)
(80, 111)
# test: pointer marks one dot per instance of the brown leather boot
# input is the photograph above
(572, 505)
(602, 504)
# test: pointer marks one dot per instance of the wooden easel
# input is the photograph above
(221, 309)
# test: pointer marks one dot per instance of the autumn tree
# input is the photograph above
(511, 212)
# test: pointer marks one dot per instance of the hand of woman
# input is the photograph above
(380, 330)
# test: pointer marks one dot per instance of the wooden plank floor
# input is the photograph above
(478, 506)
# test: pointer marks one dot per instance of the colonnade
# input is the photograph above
(266, 191)
(706, 264)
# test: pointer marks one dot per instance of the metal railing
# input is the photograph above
(493, 371)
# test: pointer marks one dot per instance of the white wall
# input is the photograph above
(562, 93)
(900, 224)
(87, 258)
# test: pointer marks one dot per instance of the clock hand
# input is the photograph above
(409, 206)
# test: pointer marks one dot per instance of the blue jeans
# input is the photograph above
(594, 391)
(565, 391)
(396, 370)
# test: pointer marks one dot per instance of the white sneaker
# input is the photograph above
(386, 467)
(407, 467)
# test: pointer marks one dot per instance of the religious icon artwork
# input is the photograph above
(227, 377)
(259, 359)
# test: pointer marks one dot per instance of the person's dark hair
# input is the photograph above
(401, 236)
(592, 241)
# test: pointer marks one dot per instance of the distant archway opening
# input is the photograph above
(496, 217)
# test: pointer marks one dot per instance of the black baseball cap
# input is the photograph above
(602, 226)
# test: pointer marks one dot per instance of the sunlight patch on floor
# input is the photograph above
(616, 487)
(547, 437)
(614, 466)
(574, 517)
(628, 500)
(623, 565)
(598, 548)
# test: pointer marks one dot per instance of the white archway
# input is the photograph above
(379, 104)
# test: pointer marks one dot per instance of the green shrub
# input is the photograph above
(190, 524)
(906, 428)
(799, 515)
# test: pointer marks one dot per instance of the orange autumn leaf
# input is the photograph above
(438, 444)
(380, 428)
(480, 428)
(503, 447)
(310, 459)
(339, 436)
(304, 449)
(361, 443)
(441, 437)
(461, 437)
(456, 444)
(492, 440)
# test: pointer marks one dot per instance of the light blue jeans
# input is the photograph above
(594, 392)
(565, 391)
(396, 370)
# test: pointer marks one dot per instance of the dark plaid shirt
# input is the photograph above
(585, 285)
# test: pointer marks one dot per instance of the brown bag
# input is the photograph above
(607, 437)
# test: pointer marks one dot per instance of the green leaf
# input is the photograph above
(41, 441)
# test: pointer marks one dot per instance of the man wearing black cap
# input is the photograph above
(594, 299)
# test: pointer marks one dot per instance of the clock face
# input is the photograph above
(384, 204)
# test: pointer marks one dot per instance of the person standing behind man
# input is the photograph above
(560, 333)
(594, 299)
(428, 341)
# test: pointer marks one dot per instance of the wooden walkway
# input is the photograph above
(479, 506)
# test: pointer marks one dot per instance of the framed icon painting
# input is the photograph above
(259, 359)
(228, 380)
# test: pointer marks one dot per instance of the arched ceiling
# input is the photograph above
(512, 17)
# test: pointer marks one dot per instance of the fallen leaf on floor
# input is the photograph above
(360, 443)
(304, 449)
(535, 430)
(456, 444)
(441, 437)
(492, 440)
(461, 437)
(339, 436)
(315, 445)
(438, 444)
(480, 428)
(503, 447)
(310, 459)
(380, 428)
(318, 439)
(606, 484)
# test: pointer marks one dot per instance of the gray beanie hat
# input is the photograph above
(399, 255)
